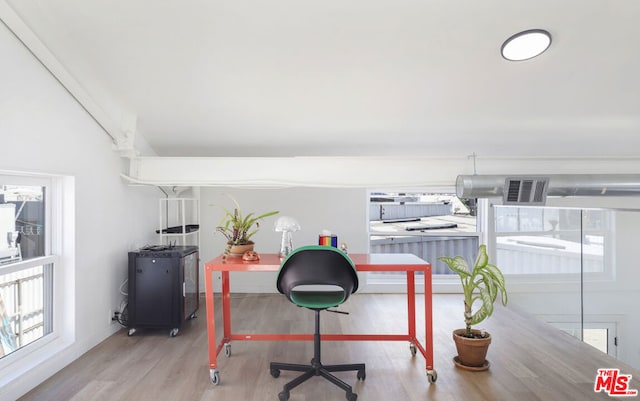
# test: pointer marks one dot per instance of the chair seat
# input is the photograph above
(317, 299)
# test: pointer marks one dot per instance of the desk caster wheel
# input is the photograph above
(432, 376)
(131, 332)
(173, 332)
(413, 349)
(215, 377)
(283, 396)
(227, 350)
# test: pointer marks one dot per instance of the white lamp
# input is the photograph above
(286, 225)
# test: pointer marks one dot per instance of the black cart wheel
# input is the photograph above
(275, 373)
(283, 396)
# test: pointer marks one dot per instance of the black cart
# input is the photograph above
(163, 287)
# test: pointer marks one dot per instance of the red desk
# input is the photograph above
(392, 262)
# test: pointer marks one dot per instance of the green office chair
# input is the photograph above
(317, 278)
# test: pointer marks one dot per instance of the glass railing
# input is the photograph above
(575, 269)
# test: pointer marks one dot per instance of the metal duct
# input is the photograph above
(492, 186)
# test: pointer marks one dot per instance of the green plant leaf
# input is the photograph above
(457, 264)
(482, 259)
(498, 279)
(484, 281)
(486, 308)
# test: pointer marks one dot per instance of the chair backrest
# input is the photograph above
(317, 265)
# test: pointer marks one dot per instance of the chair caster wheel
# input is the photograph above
(283, 396)
(275, 373)
(361, 375)
(352, 396)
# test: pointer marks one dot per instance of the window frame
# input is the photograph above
(58, 258)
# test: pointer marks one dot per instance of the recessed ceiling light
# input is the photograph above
(526, 45)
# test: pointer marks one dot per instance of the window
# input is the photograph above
(428, 224)
(26, 263)
(551, 240)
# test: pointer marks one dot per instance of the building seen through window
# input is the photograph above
(21, 222)
(427, 224)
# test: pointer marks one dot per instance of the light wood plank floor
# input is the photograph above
(529, 360)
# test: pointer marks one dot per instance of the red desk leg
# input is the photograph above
(432, 375)
(411, 305)
(211, 328)
(226, 306)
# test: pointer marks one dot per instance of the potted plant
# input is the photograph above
(238, 229)
(481, 286)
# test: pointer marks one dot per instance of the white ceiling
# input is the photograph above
(353, 77)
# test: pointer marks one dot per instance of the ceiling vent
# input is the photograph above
(525, 190)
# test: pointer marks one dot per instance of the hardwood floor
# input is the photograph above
(529, 360)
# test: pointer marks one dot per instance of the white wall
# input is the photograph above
(343, 211)
(43, 129)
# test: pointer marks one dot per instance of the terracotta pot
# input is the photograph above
(239, 250)
(472, 352)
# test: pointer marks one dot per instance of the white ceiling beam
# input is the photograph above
(274, 172)
(353, 172)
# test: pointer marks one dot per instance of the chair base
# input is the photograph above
(317, 369)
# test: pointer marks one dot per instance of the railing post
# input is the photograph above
(20, 316)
